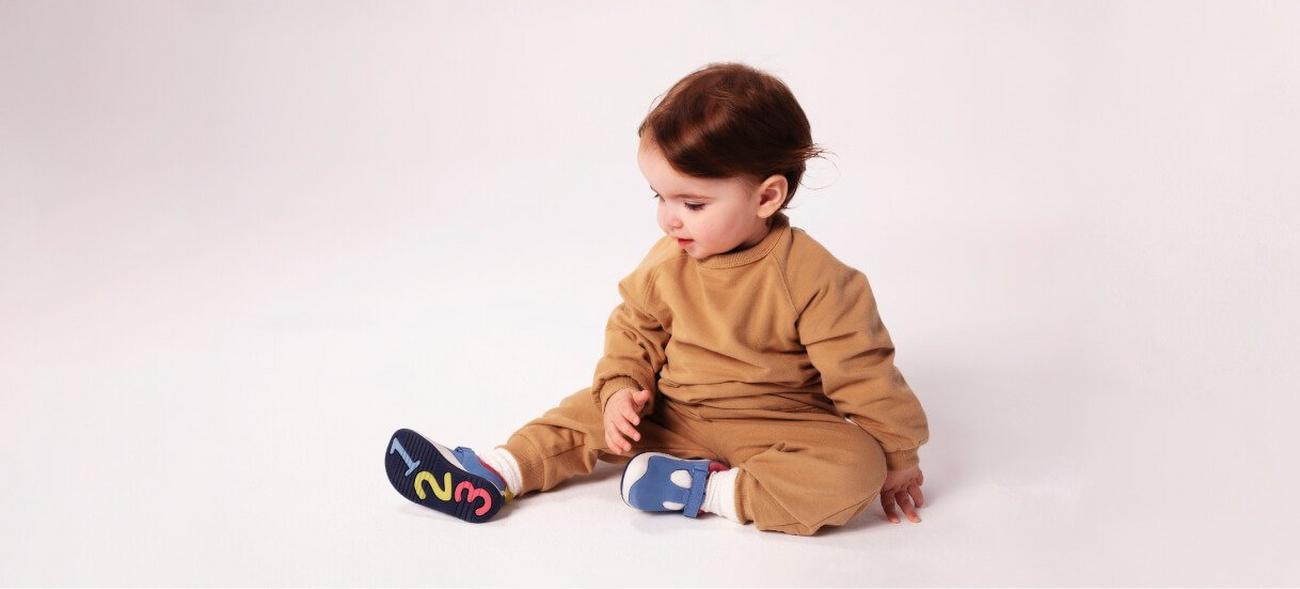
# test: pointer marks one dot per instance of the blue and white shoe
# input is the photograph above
(454, 482)
(654, 481)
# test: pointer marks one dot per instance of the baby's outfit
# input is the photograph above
(757, 356)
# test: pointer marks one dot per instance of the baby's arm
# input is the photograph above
(848, 344)
(634, 346)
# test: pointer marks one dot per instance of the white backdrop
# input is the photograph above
(243, 242)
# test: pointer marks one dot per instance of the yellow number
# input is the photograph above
(443, 493)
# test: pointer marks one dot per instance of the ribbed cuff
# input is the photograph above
(901, 459)
(612, 386)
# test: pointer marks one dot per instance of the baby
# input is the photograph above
(746, 371)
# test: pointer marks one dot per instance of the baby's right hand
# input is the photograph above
(622, 415)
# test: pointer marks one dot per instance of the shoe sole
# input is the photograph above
(428, 474)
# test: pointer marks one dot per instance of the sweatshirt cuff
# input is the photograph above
(612, 386)
(901, 459)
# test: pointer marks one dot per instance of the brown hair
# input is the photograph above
(729, 119)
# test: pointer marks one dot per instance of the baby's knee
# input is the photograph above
(826, 485)
(859, 467)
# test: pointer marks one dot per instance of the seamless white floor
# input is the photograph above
(241, 243)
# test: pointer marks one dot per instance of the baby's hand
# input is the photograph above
(621, 418)
(904, 488)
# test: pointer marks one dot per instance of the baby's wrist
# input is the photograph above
(902, 459)
(612, 387)
(627, 392)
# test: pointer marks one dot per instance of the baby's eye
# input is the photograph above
(690, 205)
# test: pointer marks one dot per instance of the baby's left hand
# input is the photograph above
(902, 487)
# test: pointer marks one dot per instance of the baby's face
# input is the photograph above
(715, 215)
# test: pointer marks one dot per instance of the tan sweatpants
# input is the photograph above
(798, 471)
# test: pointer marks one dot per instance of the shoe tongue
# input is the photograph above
(493, 475)
(471, 462)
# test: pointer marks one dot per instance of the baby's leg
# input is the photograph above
(797, 476)
(567, 441)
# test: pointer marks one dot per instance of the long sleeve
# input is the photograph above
(634, 344)
(848, 344)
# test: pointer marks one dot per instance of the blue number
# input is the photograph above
(397, 447)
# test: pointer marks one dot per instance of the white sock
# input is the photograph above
(720, 494)
(504, 462)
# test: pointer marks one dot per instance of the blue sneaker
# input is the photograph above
(454, 482)
(654, 481)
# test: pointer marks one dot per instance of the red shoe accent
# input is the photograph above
(490, 469)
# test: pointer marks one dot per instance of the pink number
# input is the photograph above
(472, 493)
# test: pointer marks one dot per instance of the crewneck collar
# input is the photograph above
(780, 222)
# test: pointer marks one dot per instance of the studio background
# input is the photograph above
(243, 242)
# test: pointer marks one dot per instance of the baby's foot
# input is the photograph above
(654, 481)
(454, 482)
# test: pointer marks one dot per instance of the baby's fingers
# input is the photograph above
(917, 496)
(905, 501)
(624, 426)
(615, 442)
(887, 504)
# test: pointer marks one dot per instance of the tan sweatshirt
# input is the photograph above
(782, 329)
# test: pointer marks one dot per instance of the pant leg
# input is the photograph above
(567, 440)
(799, 475)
